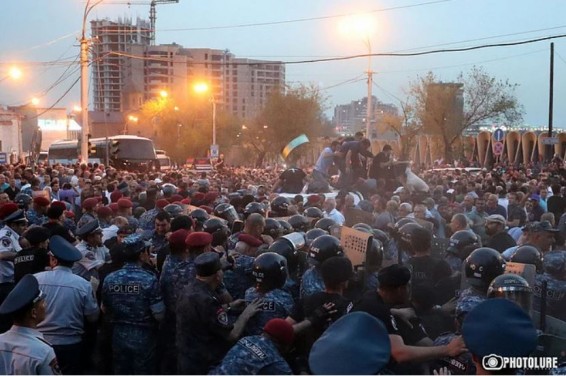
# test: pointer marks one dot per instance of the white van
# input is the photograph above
(164, 160)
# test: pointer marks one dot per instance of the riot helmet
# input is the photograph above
(555, 264)
(314, 233)
(299, 223)
(254, 207)
(280, 206)
(273, 228)
(512, 287)
(286, 248)
(374, 255)
(313, 212)
(462, 243)
(219, 231)
(168, 190)
(269, 271)
(199, 216)
(324, 247)
(380, 235)
(23, 200)
(227, 212)
(403, 221)
(482, 266)
(528, 254)
(363, 227)
(287, 228)
(325, 223)
(405, 236)
(174, 210)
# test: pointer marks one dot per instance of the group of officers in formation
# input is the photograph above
(201, 284)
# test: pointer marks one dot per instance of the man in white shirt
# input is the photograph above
(331, 212)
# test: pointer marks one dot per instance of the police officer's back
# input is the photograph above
(204, 334)
(23, 349)
(34, 259)
(261, 354)
(132, 298)
(555, 277)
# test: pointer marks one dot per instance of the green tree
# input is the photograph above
(286, 115)
(447, 110)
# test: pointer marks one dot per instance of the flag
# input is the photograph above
(302, 139)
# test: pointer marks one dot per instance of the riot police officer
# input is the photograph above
(321, 249)
(462, 243)
(270, 272)
(300, 223)
(219, 231)
(199, 216)
(279, 207)
(512, 287)
(555, 277)
(132, 298)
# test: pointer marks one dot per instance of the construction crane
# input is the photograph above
(152, 12)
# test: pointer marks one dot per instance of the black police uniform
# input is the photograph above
(292, 180)
(30, 261)
(202, 322)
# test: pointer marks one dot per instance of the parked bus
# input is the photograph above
(134, 153)
(164, 160)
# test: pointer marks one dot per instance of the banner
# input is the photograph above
(302, 139)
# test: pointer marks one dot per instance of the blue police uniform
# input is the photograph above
(85, 218)
(555, 295)
(277, 303)
(240, 278)
(459, 365)
(311, 282)
(133, 222)
(468, 299)
(34, 218)
(158, 242)
(454, 261)
(147, 220)
(132, 298)
(254, 355)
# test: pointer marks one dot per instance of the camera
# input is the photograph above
(492, 362)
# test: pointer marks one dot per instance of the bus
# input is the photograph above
(164, 160)
(134, 153)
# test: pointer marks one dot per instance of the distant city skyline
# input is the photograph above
(37, 31)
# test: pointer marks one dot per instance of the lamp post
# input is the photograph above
(203, 88)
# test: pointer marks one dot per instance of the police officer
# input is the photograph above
(15, 224)
(162, 229)
(199, 216)
(55, 220)
(23, 350)
(219, 231)
(34, 259)
(481, 267)
(89, 207)
(261, 354)
(70, 300)
(132, 298)
(270, 272)
(512, 287)
(555, 277)
(36, 215)
(95, 254)
(147, 220)
(462, 243)
(204, 334)
(125, 210)
(321, 249)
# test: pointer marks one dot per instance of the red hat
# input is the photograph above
(198, 196)
(198, 239)
(186, 201)
(7, 209)
(313, 199)
(176, 198)
(114, 207)
(90, 203)
(41, 201)
(161, 203)
(210, 197)
(104, 211)
(207, 209)
(124, 203)
(69, 214)
(59, 204)
(115, 196)
(177, 239)
(280, 330)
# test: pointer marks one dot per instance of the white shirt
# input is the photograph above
(8, 243)
(23, 351)
(336, 216)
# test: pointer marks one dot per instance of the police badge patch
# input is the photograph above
(222, 317)
(6, 241)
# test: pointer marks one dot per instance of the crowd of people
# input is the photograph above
(242, 271)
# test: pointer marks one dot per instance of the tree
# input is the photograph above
(406, 127)
(448, 109)
(285, 116)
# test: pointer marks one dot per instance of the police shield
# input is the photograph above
(355, 245)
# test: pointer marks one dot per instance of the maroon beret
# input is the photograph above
(59, 204)
(115, 196)
(161, 203)
(176, 198)
(198, 239)
(177, 239)
(186, 201)
(41, 201)
(7, 209)
(198, 196)
(313, 199)
(104, 211)
(69, 214)
(210, 197)
(114, 207)
(89, 203)
(124, 203)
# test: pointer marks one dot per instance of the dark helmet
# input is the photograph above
(405, 235)
(555, 264)
(279, 206)
(325, 223)
(273, 228)
(299, 223)
(528, 254)
(213, 225)
(23, 200)
(482, 266)
(270, 271)
(174, 210)
(403, 221)
(463, 242)
(374, 255)
(227, 212)
(313, 212)
(511, 287)
(199, 215)
(254, 207)
(363, 227)
(285, 248)
(314, 233)
(287, 228)
(323, 248)
(168, 190)
(380, 235)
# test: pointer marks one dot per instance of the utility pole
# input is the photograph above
(369, 101)
(550, 101)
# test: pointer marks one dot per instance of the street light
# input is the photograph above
(163, 93)
(14, 73)
(202, 88)
(34, 101)
(131, 118)
(362, 25)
